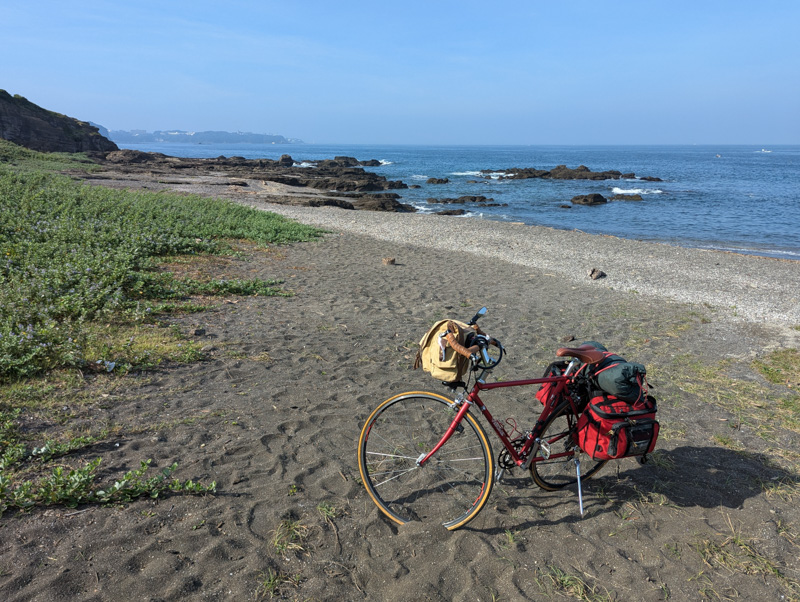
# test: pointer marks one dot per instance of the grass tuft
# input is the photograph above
(290, 536)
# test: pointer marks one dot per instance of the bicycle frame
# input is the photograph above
(525, 456)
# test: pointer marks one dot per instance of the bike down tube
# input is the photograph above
(524, 456)
(453, 426)
(518, 457)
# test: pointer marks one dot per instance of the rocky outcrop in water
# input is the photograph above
(485, 202)
(29, 125)
(461, 199)
(561, 172)
(589, 199)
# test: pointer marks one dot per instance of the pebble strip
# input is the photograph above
(743, 287)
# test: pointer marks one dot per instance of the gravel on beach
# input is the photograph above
(742, 287)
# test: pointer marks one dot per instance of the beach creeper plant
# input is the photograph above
(72, 486)
(71, 254)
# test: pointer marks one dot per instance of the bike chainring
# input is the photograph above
(504, 459)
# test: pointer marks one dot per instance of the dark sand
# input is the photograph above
(273, 414)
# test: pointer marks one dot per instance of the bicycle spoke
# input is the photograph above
(450, 487)
(391, 456)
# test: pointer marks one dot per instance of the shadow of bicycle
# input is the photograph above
(683, 477)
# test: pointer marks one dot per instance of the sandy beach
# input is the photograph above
(274, 410)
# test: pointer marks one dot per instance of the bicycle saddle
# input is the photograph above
(586, 353)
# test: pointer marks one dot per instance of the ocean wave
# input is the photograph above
(304, 164)
(617, 190)
(385, 162)
(466, 173)
(419, 177)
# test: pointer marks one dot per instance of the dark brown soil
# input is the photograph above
(273, 414)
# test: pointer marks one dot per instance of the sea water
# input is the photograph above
(744, 199)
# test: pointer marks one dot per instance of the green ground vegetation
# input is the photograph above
(28, 476)
(23, 159)
(73, 256)
(87, 276)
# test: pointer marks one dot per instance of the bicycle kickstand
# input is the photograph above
(580, 493)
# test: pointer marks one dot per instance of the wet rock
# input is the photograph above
(382, 204)
(560, 172)
(589, 199)
(461, 200)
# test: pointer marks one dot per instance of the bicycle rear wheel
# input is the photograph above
(558, 470)
(451, 487)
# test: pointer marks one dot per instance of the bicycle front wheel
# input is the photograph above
(451, 487)
(553, 466)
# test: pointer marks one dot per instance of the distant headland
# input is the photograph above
(207, 137)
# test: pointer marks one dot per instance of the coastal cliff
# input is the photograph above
(27, 124)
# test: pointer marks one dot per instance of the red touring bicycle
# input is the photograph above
(424, 457)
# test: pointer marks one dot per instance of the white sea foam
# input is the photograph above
(617, 190)
(419, 177)
(385, 162)
(776, 253)
(466, 173)
(304, 164)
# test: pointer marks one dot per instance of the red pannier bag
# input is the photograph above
(611, 428)
(549, 389)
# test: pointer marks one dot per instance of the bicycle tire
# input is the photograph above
(451, 487)
(556, 473)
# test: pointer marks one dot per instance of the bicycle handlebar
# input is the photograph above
(476, 352)
(459, 348)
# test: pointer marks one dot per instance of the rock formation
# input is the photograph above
(561, 172)
(329, 174)
(589, 199)
(31, 126)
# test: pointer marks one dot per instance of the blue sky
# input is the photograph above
(435, 72)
